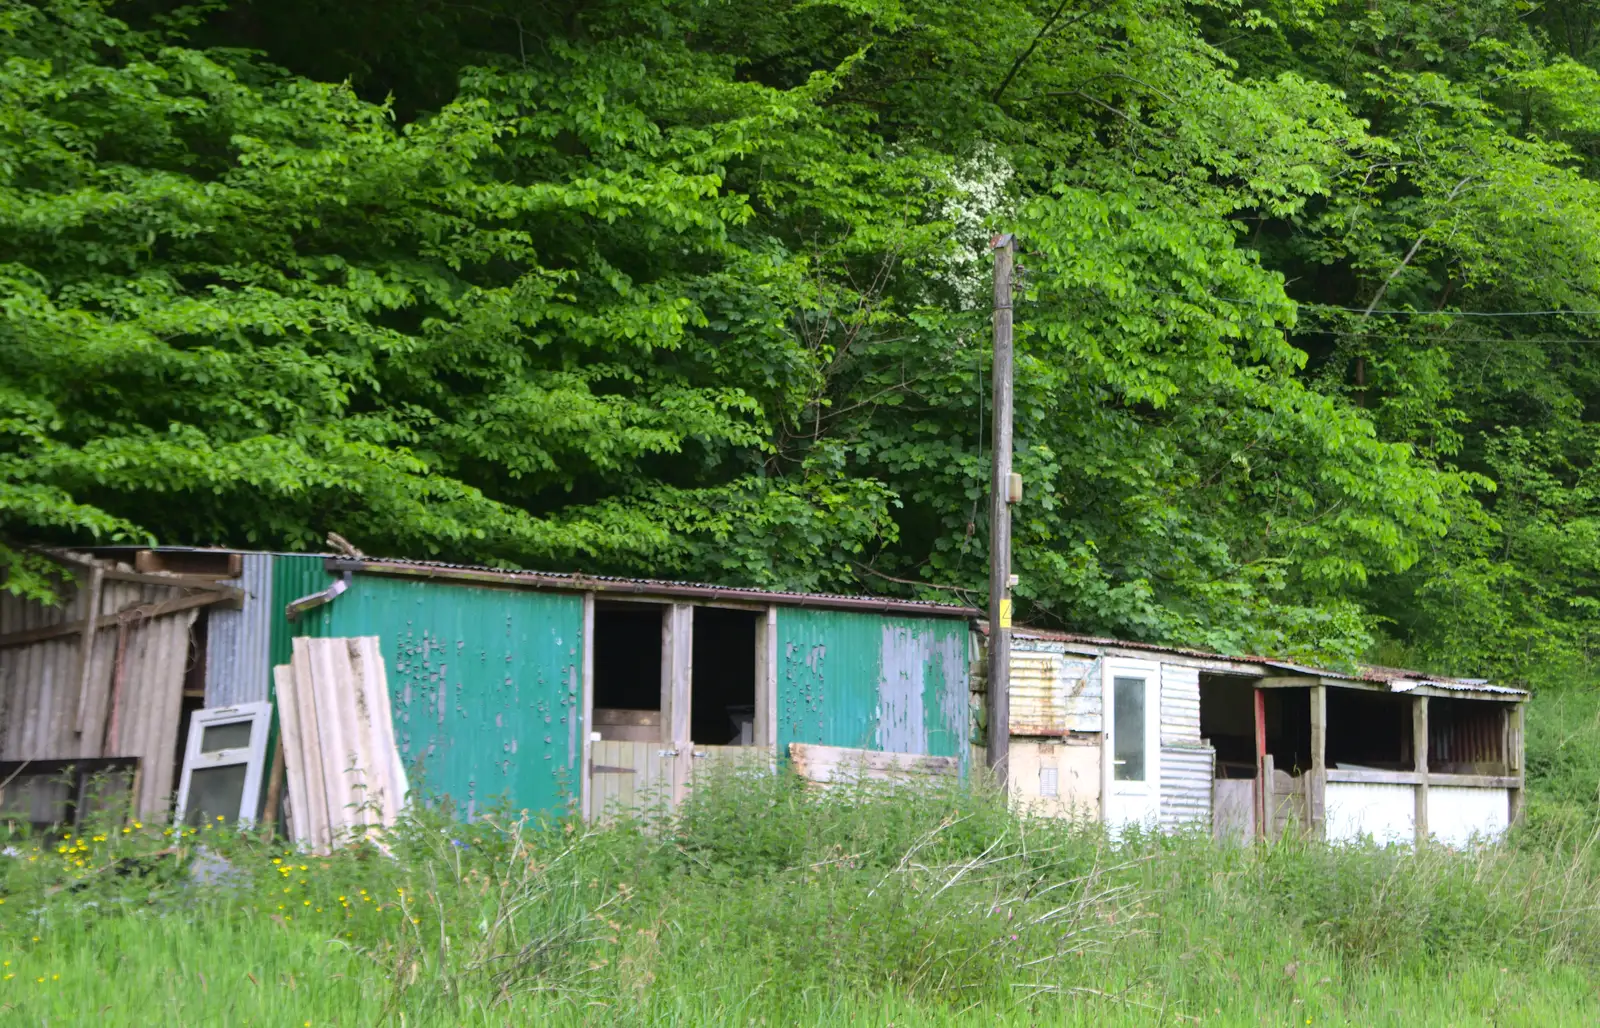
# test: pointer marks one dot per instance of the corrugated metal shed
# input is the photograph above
(238, 642)
(862, 681)
(1186, 786)
(484, 682)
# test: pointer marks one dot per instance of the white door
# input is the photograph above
(1132, 696)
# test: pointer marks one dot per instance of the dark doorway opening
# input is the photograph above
(1369, 730)
(722, 705)
(1228, 720)
(627, 671)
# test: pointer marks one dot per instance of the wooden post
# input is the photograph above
(1419, 747)
(1317, 787)
(586, 749)
(91, 626)
(1269, 798)
(677, 672)
(1514, 760)
(999, 740)
(1263, 786)
(269, 812)
(110, 743)
(766, 721)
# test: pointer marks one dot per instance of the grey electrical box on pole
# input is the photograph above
(1001, 490)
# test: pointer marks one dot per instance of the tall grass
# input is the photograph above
(765, 902)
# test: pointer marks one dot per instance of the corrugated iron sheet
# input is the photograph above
(1180, 704)
(1186, 786)
(484, 682)
(1053, 693)
(1471, 734)
(865, 681)
(294, 576)
(151, 704)
(238, 642)
(39, 714)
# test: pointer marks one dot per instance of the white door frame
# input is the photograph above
(1124, 802)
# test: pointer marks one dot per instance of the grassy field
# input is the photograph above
(766, 904)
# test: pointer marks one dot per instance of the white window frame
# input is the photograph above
(254, 756)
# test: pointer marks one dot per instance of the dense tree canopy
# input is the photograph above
(695, 288)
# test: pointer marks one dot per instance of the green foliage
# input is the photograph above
(690, 290)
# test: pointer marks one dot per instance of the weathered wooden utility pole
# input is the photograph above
(1002, 493)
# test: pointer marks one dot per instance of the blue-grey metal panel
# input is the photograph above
(238, 661)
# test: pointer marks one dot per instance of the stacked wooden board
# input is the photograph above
(832, 765)
(344, 773)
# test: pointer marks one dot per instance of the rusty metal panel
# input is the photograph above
(484, 683)
(1180, 704)
(238, 642)
(1053, 693)
(1186, 784)
(872, 682)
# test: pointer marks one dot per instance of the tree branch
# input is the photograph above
(1044, 30)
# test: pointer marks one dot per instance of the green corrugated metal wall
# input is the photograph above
(485, 681)
(871, 681)
(292, 578)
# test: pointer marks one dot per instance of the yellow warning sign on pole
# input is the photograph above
(1005, 612)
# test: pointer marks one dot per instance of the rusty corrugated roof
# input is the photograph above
(1362, 673)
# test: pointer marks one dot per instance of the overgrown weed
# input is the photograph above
(762, 898)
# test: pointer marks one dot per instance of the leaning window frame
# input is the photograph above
(253, 756)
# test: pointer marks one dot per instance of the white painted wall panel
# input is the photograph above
(1386, 813)
(1458, 816)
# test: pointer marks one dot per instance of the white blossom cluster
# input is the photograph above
(982, 205)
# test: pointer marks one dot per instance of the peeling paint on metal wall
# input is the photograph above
(865, 681)
(901, 727)
(238, 642)
(485, 685)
